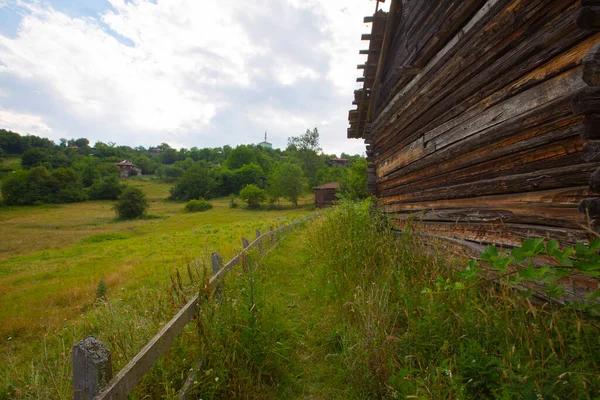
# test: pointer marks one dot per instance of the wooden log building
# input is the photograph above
(482, 117)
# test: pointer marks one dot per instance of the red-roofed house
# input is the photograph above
(128, 169)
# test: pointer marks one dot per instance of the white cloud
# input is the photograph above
(24, 123)
(166, 70)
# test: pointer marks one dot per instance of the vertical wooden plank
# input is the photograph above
(92, 368)
(259, 242)
(217, 264)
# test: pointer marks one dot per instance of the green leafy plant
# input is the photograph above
(197, 205)
(517, 266)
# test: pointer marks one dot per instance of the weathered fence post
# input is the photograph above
(92, 368)
(259, 242)
(244, 258)
(272, 235)
(217, 264)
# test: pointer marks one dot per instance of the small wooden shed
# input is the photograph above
(325, 194)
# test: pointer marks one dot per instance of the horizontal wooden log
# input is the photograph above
(551, 216)
(499, 141)
(501, 234)
(589, 18)
(553, 155)
(572, 175)
(543, 199)
(564, 85)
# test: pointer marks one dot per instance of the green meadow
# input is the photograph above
(53, 257)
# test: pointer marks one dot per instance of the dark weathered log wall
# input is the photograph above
(485, 117)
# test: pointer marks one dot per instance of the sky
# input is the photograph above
(186, 72)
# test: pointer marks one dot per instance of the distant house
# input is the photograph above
(128, 169)
(342, 162)
(156, 150)
(265, 144)
(325, 194)
(283, 157)
(73, 147)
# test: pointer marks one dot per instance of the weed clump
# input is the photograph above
(101, 290)
(400, 340)
(197, 205)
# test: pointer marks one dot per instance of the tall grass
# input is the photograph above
(485, 342)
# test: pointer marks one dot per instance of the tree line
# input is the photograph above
(73, 170)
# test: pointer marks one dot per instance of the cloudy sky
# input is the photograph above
(187, 72)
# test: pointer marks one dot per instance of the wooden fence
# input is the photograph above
(92, 369)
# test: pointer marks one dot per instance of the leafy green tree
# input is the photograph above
(307, 141)
(248, 174)
(10, 141)
(287, 181)
(147, 165)
(132, 204)
(169, 156)
(252, 195)
(35, 157)
(14, 188)
(240, 156)
(195, 183)
(224, 181)
(68, 186)
(354, 185)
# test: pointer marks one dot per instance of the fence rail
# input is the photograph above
(92, 369)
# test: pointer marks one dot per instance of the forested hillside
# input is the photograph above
(37, 171)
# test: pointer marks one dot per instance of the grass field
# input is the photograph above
(53, 257)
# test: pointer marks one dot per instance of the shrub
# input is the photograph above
(252, 195)
(132, 204)
(197, 205)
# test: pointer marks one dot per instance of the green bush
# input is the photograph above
(253, 195)
(132, 204)
(197, 205)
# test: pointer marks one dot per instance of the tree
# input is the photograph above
(248, 174)
(224, 181)
(132, 204)
(195, 183)
(287, 181)
(252, 195)
(240, 156)
(354, 185)
(307, 141)
(35, 157)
